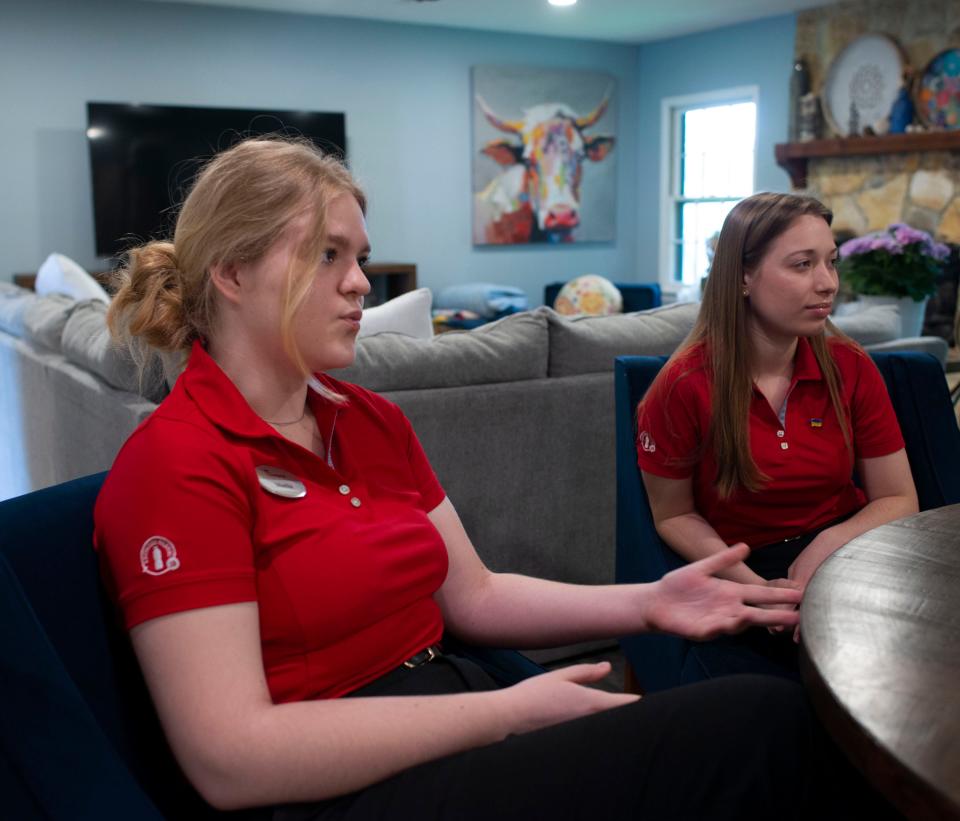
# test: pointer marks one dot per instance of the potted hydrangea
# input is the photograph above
(899, 264)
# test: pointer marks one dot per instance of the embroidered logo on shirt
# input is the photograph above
(158, 556)
(816, 423)
(646, 442)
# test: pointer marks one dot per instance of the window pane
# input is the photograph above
(717, 151)
(697, 222)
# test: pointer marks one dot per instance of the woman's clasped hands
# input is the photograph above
(692, 602)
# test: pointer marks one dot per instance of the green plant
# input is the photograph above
(899, 261)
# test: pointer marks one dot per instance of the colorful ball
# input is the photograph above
(589, 294)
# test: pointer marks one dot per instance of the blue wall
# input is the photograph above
(758, 54)
(405, 91)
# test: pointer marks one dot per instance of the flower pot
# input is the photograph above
(911, 312)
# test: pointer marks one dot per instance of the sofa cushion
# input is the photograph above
(13, 303)
(589, 344)
(45, 317)
(407, 314)
(508, 350)
(86, 342)
(870, 326)
(936, 346)
(61, 275)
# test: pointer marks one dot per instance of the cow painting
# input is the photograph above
(536, 197)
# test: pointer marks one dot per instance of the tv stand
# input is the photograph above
(387, 280)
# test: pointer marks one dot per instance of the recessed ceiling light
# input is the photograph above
(561, 2)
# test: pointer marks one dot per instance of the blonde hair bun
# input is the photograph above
(148, 305)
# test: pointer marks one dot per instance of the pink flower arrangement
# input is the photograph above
(899, 261)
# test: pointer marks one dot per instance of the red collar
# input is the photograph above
(805, 364)
(218, 399)
(805, 368)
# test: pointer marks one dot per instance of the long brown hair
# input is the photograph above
(721, 327)
(240, 204)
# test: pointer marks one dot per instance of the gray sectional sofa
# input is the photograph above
(516, 416)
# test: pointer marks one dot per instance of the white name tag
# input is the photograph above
(280, 483)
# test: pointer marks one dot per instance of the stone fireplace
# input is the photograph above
(872, 181)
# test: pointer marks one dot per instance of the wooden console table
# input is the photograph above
(387, 280)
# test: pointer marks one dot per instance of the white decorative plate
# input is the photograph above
(866, 75)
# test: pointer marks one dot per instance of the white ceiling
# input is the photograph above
(621, 21)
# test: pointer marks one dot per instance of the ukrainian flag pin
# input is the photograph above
(816, 423)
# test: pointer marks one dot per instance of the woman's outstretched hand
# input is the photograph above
(560, 695)
(693, 603)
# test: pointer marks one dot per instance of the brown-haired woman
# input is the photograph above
(751, 432)
(276, 540)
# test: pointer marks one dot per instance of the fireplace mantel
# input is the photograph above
(793, 157)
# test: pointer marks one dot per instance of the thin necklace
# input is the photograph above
(291, 422)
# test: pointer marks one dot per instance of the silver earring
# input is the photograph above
(746, 292)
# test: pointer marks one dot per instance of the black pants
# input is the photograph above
(735, 748)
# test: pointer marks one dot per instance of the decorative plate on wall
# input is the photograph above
(938, 91)
(862, 84)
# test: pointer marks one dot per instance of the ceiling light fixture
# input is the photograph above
(562, 2)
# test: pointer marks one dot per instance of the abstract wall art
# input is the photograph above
(543, 159)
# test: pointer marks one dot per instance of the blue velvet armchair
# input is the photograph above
(79, 738)
(922, 403)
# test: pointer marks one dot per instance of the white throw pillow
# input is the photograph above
(407, 314)
(61, 275)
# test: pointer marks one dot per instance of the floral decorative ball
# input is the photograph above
(589, 294)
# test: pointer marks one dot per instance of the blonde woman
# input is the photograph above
(287, 563)
(752, 431)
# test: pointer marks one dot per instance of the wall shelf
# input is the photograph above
(793, 157)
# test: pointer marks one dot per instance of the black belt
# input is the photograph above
(424, 656)
(814, 532)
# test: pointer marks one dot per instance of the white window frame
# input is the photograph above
(671, 110)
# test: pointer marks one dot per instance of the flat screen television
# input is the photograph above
(144, 157)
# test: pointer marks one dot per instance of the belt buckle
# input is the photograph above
(421, 658)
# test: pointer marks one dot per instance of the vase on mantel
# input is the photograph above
(911, 311)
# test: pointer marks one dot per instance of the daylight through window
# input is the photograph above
(712, 167)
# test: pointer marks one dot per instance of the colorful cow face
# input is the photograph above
(542, 203)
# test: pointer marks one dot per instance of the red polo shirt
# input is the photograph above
(344, 576)
(809, 466)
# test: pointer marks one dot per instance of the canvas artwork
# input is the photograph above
(543, 160)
